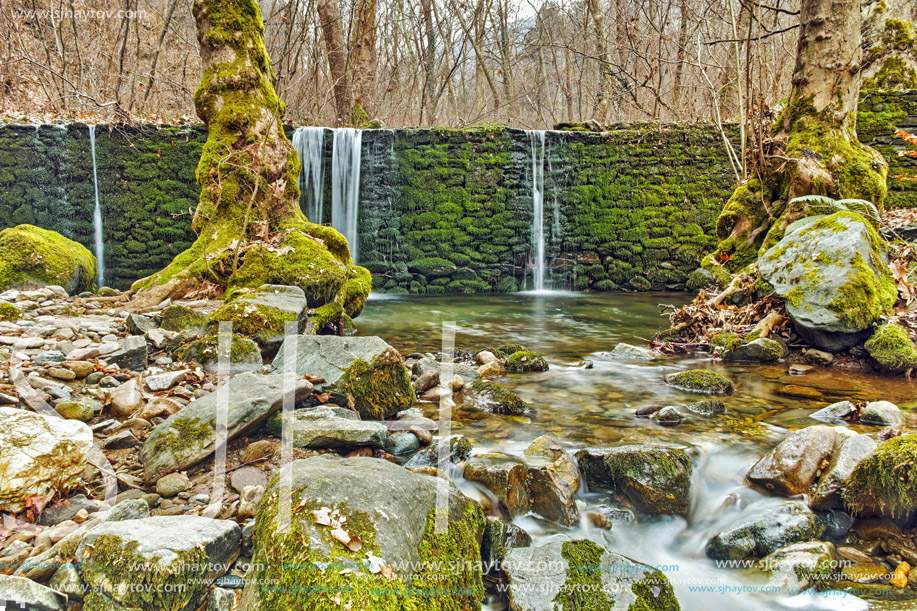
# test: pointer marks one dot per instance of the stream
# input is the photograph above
(595, 407)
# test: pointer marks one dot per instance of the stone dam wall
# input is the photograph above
(438, 210)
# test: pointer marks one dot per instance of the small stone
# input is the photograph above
(80, 368)
(159, 406)
(881, 413)
(262, 448)
(51, 356)
(669, 416)
(864, 572)
(818, 357)
(171, 484)
(423, 436)
(95, 377)
(165, 381)
(121, 441)
(797, 369)
(109, 382)
(647, 410)
(852, 554)
(401, 443)
(249, 500)
(131, 353)
(247, 476)
(457, 383)
(836, 413)
(61, 373)
(484, 357)
(75, 410)
(126, 399)
(83, 354)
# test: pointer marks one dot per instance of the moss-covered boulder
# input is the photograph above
(263, 313)
(244, 354)
(582, 575)
(891, 349)
(655, 479)
(833, 276)
(761, 350)
(364, 370)
(526, 360)
(374, 518)
(31, 257)
(701, 381)
(885, 482)
(161, 563)
(495, 398)
(9, 312)
(182, 319)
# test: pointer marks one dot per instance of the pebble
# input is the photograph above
(61, 373)
(800, 370)
(257, 450)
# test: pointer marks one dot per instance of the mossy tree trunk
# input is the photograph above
(813, 149)
(250, 228)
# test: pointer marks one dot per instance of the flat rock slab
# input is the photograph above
(189, 435)
(38, 454)
(186, 551)
(21, 593)
(324, 428)
(327, 356)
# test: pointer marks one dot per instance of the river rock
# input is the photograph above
(883, 482)
(459, 449)
(633, 353)
(707, 408)
(655, 479)
(244, 354)
(890, 349)
(181, 319)
(761, 350)
(851, 452)
(399, 443)
(21, 593)
(166, 380)
(190, 435)
(764, 527)
(184, 552)
(171, 484)
(794, 464)
(370, 505)
(126, 399)
(562, 462)
(138, 324)
(365, 369)
(131, 355)
(39, 453)
(501, 536)
(75, 410)
(542, 579)
(427, 364)
(836, 413)
(799, 566)
(701, 381)
(523, 486)
(493, 397)
(834, 279)
(327, 427)
(881, 413)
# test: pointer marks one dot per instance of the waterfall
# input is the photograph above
(97, 214)
(536, 143)
(309, 142)
(345, 185)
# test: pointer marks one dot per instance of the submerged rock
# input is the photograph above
(190, 435)
(701, 381)
(883, 483)
(637, 353)
(31, 257)
(764, 527)
(834, 279)
(39, 454)
(582, 575)
(707, 408)
(792, 466)
(174, 556)
(656, 480)
(373, 517)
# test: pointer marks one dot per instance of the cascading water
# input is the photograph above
(309, 142)
(97, 213)
(345, 184)
(537, 146)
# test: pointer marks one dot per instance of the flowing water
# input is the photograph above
(309, 142)
(595, 407)
(345, 185)
(97, 214)
(536, 144)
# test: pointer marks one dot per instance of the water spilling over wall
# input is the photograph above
(309, 142)
(436, 210)
(98, 240)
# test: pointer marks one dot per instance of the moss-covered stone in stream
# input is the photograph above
(526, 360)
(9, 312)
(31, 257)
(701, 381)
(380, 388)
(497, 399)
(891, 349)
(726, 340)
(885, 483)
(583, 588)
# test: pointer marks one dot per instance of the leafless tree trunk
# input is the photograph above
(333, 34)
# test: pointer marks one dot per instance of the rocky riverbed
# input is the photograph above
(583, 473)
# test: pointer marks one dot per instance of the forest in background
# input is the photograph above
(525, 63)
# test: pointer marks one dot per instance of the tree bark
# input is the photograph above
(362, 65)
(329, 16)
(603, 95)
(250, 228)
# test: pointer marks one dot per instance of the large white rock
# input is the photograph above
(38, 453)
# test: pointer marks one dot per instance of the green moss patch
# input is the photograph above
(526, 360)
(885, 483)
(380, 388)
(701, 381)
(32, 257)
(892, 349)
(9, 312)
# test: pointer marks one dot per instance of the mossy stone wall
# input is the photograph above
(441, 210)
